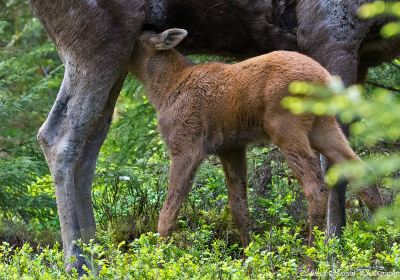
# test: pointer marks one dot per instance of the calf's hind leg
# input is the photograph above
(290, 135)
(234, 164)
(328, 139)
(183, 168)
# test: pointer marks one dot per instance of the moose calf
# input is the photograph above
(216, 108)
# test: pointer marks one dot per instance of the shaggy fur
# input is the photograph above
(218, 109)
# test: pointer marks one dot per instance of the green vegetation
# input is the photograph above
(278, 253)
(131, 181)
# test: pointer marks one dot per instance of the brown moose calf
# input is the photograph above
(217, 108)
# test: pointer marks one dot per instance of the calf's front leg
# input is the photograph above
(183, 169)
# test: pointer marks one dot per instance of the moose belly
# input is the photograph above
(228, 26)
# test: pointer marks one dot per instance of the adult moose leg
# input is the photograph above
(235, 167)
(183, 168)
(84, 174)
(95, 40)
(71, 138)
(332, 36)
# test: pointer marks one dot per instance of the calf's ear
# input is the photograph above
(169, 39)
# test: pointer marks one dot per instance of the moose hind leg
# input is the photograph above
(337, 33)
(235, 168)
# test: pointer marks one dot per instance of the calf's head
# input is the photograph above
(156, 63)
(150, 44)
(166, 40)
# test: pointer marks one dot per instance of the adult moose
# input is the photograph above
(95, 39)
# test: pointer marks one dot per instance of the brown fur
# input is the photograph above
(218, 109)
(95, 39)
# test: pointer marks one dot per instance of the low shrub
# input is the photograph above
(279, 253)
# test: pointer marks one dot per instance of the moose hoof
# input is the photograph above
(78, 266)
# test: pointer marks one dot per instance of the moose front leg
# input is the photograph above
(87, 165)
(71, 138)
(95, 40)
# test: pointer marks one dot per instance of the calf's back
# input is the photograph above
(227, 105)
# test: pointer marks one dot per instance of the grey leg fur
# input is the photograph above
(71, 138)
(87, 165)
(95, 40)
